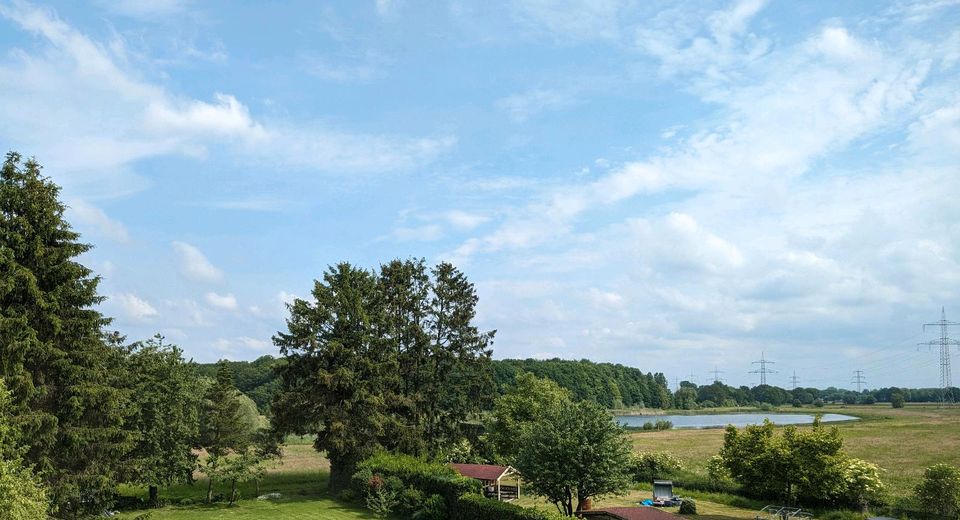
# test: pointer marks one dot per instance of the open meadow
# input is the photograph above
(902, 441)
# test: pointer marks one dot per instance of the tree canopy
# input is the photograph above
(382, 359)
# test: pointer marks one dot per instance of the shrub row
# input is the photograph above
(476, 507)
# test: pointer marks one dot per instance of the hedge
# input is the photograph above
(476, 507)
(434, 478)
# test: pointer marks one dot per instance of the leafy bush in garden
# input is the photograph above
(938, 493)
(688, 507)
(647, 466)
(808, 466)
(476, 507)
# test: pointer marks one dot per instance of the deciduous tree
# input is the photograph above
(164, 414)
(573, 453)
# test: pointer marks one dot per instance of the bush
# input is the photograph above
(399, 472)
(797, 403)
(663, 425)
(475, 507)
(896, 400)
(648, 426)
(688, 507)
(647, 466)
(939, 492)
(433, 508)
(818, 402)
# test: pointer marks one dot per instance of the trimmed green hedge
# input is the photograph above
(476, 507)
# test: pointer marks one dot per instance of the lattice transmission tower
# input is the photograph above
(944, 342)
(794, 381)
(763, 370)
(858, 380)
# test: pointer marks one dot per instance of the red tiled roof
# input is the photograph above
(480, 471)
(638, 513)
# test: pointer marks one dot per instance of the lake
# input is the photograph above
(722, 420)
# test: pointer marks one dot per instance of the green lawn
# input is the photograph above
(301, 480)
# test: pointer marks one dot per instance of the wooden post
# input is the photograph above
(498, 489)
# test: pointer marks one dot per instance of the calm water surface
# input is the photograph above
(722, 420)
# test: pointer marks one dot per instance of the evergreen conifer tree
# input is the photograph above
(66, 409)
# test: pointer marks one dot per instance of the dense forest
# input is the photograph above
(619, 386)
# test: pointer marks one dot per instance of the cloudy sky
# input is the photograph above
(674, 186)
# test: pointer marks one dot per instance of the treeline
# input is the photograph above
(609, 385)
(691, 396)
(619, 386)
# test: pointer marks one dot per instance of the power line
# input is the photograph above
(794, 380)
(858, 380)
(763, 371)
(716, 375)
(944, 343)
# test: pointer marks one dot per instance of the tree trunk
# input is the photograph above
(257, 482)
(153, 496)
(209, 489)
(233, 491)
(341, 471)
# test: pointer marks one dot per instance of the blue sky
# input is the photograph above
(677, 186)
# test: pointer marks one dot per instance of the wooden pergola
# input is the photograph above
(490, 477)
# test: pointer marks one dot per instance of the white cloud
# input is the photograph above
(463, 220)
(225, 302)
(134, 307)
(116, 118)
(195, 265)
(96, 220)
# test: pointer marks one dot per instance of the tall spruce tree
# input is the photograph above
(387, 360)
(66, 407)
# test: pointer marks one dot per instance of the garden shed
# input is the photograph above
(500, 482)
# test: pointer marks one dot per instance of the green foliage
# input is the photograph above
(256, 379)
(688, 507)
(22, 494)
(863, 483)
(606, 384)
(382, 501)
(575, 451)
(717, 471)
(430, 478)
(647, 466)
(802, 465)
(434, 507)
(164, 414)
(662, 425)
(67, 408)
(938, 494)
(382, 360)
(896, 400)
(228, 429)
(476, 507)
(524, 404)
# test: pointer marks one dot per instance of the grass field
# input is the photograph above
(301, 479)
(902, 441)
